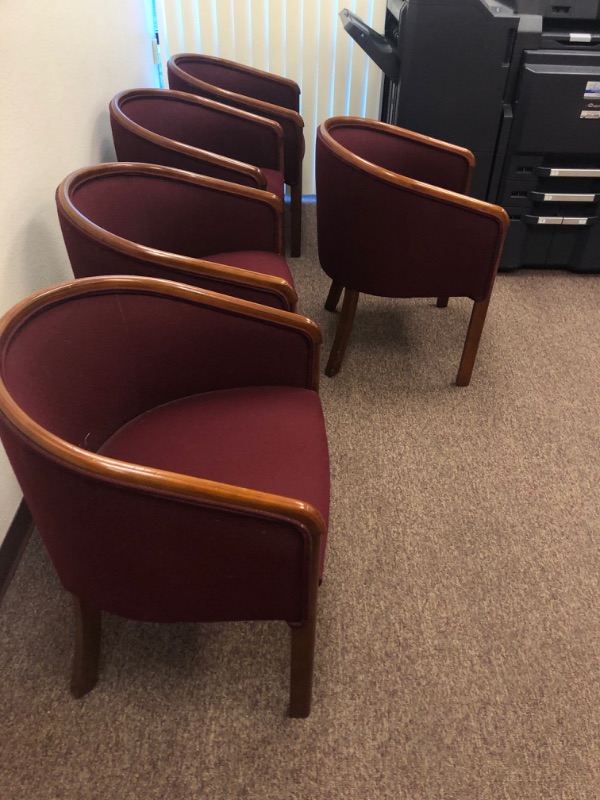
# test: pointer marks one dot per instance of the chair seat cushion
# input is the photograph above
(274, 181)
(266, 438)
(255, 260)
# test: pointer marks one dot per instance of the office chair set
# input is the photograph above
(161, 412)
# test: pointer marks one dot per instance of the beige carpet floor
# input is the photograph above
(459, 635)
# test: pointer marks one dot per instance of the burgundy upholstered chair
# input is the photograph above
(259, 92)
(170, 445)
(180, 130)
(393, 220)
(146, 219)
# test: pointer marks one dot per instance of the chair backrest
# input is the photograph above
(146, 219)
(160, 126)
(80, 360)
(392, 216)
(243, 87)
(221, 78)
(408, 155)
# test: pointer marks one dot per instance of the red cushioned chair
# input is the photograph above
(262, 93)
(170, 445)
(145, 219)
(177, 129)
(393, 220)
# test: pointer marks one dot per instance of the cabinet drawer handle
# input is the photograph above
(542, 220)
(556, 172)
(531, 220)
(579, 220)
(542, 197)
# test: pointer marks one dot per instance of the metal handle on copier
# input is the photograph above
(567, 172)
(579, 220)
(554, 197)
(530, 220)
(577, 39)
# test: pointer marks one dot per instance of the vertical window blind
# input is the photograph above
(299, 39)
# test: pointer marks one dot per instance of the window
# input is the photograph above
(301, 40)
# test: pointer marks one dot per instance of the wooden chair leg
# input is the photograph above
(442, 302)
(474, 331)
(333, 298)
(301, 668)
(87, 648)
(342, 333)
(296, 219)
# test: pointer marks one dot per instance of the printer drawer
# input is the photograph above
(526, 193)
(551, 240)
(554, 173)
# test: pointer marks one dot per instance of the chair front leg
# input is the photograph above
(342, 333)
(296, 219)
(442, 302)
(474, 331)
(333, 298)
(87, 648)
(302, 668)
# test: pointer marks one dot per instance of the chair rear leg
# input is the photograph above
(342, 333)
(474, 331)
(296, 219)
(333, 298)
(301, 668)
(442, 302)
(87, 648)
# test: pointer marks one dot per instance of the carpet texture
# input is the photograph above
(459, 637)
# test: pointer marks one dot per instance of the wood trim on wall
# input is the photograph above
(13, 546)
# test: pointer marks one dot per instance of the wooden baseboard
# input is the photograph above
(13, 546)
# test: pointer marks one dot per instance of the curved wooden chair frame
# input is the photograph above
(231, 168)
(158, 483)
(179, 267)
(456, 197)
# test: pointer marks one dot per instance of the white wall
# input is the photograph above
(62, 62)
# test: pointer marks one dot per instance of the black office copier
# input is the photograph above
(518, 83)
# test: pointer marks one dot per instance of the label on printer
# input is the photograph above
(592, 89)
(591, 109)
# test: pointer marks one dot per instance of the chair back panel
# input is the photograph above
(226, 75)
(138, 146)
(210, 127)
(86, 365)
(170, 214)
(397, 241)
(405, 157)
(214, 135)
